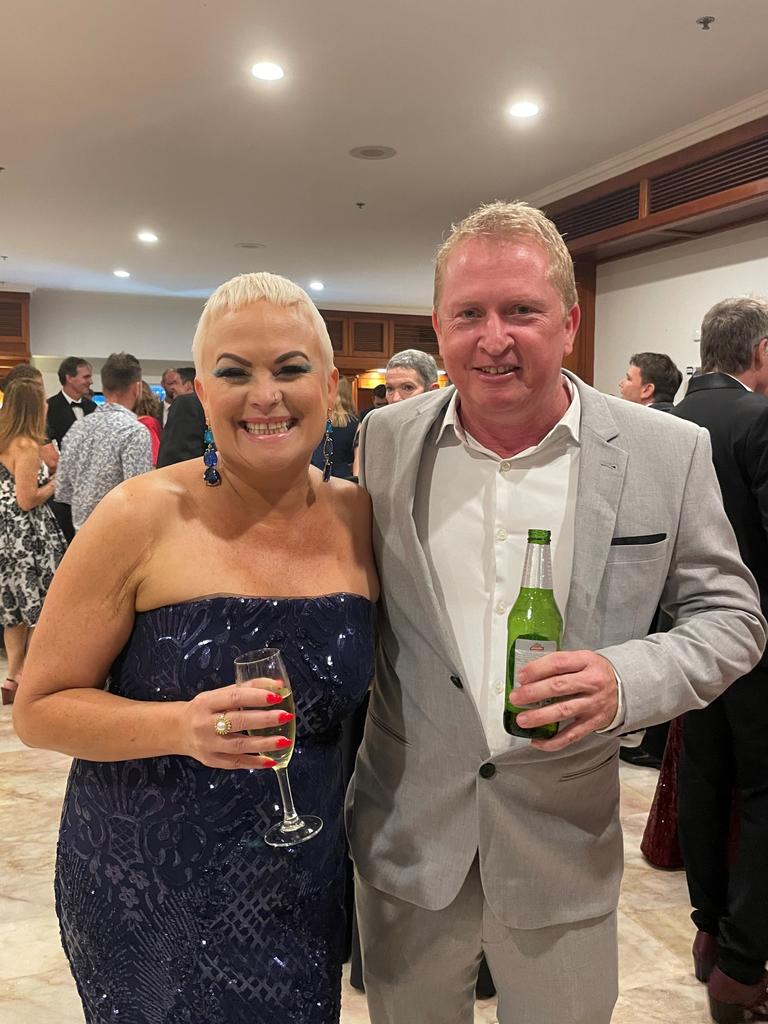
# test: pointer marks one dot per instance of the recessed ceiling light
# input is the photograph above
(267, 72)
(372, 152)
(316, 286)
(121, 273)
(147, 236)
(523, 109)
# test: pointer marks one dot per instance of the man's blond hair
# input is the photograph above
(505, 221)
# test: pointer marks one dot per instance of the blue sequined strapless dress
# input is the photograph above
(172, 908)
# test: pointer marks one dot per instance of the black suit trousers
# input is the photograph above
(725, 758)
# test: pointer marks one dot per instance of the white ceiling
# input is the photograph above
(123, 114)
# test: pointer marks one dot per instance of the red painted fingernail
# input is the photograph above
(269, 763)
(285, 716)
(274, 698)
(283, 743)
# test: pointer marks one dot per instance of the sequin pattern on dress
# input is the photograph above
(172, 908)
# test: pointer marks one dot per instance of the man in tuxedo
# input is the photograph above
(467, 840)
(71, 403)
(724, 755)
(65, 408)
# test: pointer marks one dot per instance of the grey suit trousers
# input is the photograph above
(421, 965)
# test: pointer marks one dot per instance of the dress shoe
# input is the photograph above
(731, 1002)
(704, 955)
(639, 758)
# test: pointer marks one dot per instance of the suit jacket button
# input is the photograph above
(457, 682)
(487, 771)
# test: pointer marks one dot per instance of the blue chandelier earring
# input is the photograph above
(328, 451)
(211, 459)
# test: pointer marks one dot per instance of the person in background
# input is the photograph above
(31, 544)
(183, 435)
(66, 408)
(378, 400)
(651, 379)
(467, 839)
(71, 403)
(166, 892)
(170, 382)
(344, 422)
(409, 373)
(149, 411)
(186, 380)
(100, 452)
(724, 754)
(25, 371)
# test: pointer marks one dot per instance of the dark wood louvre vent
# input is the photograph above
(736, 166)
(10, 319)
(420, 336)
(336, 333)
(368, 336)
(598, 214)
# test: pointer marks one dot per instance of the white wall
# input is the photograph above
(93, 324)
(655, 301)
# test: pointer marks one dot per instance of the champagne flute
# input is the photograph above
(268, 664)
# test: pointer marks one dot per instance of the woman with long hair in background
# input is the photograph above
(344, 421)
(31, 544)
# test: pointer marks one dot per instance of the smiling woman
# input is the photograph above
(170, 753)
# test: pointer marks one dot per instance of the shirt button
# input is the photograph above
(500, 608)
(487, 771)
(457, 682)
(498, 686)
(501, 535)
(505, 466)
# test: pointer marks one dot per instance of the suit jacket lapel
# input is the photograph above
(602, 465)
(421, 429)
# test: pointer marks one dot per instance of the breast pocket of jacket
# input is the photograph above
(632, 584)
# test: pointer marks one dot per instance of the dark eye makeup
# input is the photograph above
(238, 373)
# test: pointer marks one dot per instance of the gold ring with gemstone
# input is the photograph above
(223, 726)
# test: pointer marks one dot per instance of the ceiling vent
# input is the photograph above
(736, 166)
(599, 214)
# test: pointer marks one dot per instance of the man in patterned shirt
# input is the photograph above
(101, 451)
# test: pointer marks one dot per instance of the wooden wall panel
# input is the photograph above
(14, 330)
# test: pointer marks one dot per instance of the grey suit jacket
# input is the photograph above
(545, 825)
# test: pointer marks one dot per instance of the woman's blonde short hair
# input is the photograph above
(244, 290)
(505, 221)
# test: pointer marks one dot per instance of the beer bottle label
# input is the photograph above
(526, 651)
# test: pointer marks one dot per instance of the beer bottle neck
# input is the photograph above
(537, 571)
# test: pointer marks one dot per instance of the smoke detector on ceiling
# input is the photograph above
(373, 152)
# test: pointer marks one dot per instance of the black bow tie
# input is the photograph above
(76, 405)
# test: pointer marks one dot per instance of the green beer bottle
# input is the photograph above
(534, 628)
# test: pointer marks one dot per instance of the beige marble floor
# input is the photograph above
(36, 987)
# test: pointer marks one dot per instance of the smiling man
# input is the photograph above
(467, 840)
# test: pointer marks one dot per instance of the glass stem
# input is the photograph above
(291, 820)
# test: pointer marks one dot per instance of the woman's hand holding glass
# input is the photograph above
(245, 706)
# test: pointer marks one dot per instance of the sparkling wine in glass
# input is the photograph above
(268, 664)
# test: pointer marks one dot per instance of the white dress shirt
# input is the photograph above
(473, 511)
(77, 409)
